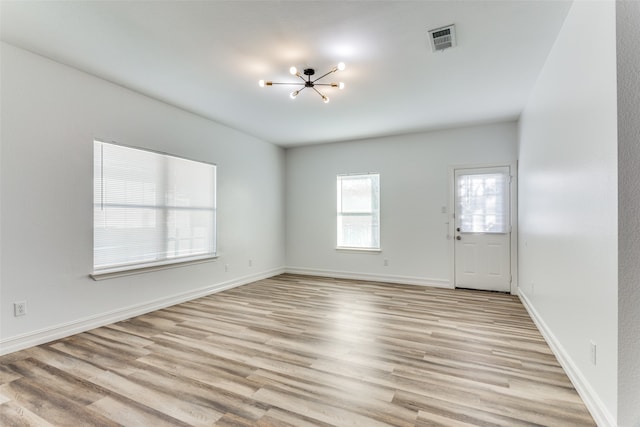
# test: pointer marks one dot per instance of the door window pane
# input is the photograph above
(482, 202)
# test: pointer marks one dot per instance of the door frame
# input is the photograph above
(451, 223)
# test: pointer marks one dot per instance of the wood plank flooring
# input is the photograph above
(301, 351)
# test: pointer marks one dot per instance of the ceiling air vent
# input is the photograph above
(442, 38)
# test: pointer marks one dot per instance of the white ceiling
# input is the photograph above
(207, 57)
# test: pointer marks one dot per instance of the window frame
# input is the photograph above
(374, 213)
(136, 267)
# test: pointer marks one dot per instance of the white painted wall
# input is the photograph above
(50, 115)
(628, 53)
(414, 186)
(568, 236)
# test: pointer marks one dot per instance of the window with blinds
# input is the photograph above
(359, 211)
(150, 209)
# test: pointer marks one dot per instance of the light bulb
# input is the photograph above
(293, 94)
(341, 66)
(341, 85)
(325, 99)
(261, 83)
(293, 70)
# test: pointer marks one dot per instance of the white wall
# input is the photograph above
(568, 237)
(50, 115)
(414, 186)
(628, 38)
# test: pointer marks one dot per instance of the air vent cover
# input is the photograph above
(442, 38)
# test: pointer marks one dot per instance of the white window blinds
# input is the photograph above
(359, 211)
(150, 209)
(482, 202)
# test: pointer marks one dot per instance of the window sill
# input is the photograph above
(369, 250)
(113, 273)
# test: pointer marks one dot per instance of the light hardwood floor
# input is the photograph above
(301, 351)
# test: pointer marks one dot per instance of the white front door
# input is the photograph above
(482, 228)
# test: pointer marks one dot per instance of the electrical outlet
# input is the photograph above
(593, 349)
(19, 308)
(250, 263)
(226, 268)
(443, 209)
(386, 262)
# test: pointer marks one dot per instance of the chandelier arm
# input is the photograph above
(319, 93)
(290, 84)
(325, 84)
(325, 75)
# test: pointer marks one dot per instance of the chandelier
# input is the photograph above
(307, 82)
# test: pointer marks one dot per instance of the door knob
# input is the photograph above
(458, 229)
(458, 238)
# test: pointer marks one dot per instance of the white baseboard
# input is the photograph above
(404, 280)
(30, 339)
(594, 404)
